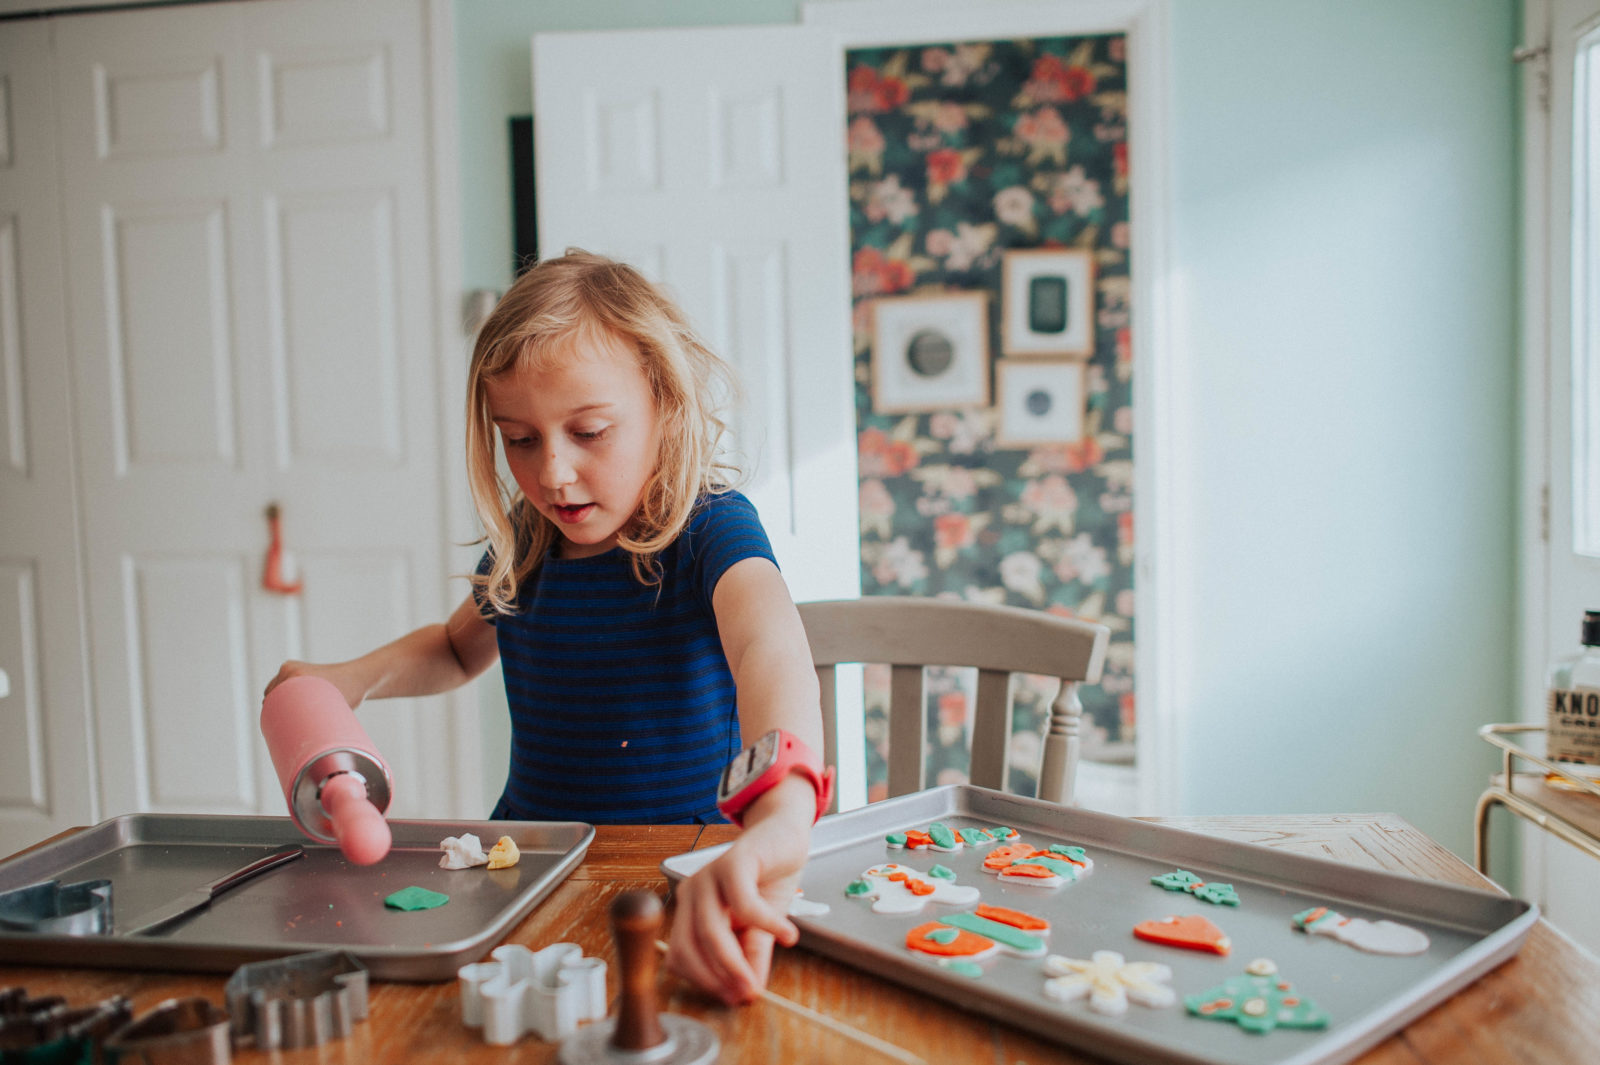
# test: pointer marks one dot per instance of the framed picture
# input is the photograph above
(930, 352)
(1041, 402)
(1047, 302)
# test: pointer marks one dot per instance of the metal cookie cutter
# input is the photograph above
(180, 1031)
(54, 908)
(549, 992)
(299, 1001)
(46, 1030)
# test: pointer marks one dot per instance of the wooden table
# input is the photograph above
(1542, 1006)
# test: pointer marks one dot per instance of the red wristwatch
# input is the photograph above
(767, 761)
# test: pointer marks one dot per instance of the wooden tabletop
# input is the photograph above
(1543, 1005)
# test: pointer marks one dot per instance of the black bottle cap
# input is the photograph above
(1591, 628)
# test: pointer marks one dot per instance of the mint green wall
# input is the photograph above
(1343, 239)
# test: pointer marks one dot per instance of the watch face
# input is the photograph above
(751, 763)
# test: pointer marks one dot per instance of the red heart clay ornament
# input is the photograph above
(1192, 932)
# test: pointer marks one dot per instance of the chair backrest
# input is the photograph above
(908, 634)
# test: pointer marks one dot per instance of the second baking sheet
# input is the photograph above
(1367, 995)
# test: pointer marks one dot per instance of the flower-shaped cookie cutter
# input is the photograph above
(548, 992)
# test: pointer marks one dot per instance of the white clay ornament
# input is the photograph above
(897, 889)
(462, 852)
(1109, 982)
(800, 906)
(1375, 937)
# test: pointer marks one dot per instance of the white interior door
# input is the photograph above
(1572, 579)
(46, 777)
(713, 160)
(245, 197)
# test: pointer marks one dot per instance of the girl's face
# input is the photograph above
(581, 439)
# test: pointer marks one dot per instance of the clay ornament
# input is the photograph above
(800, 906)
(1205, 891)
(1020, 863)
(1015, 918)
(1013, 939)
(938, 837)
(941, 837)
(1258, 1001)
(461, 852)
(943, 941)
(897, 889)
(1376, 937)
(504, 854)
(415, 898)
(1108, 982)
(1191, 932)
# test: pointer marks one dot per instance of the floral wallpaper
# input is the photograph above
(958, 153)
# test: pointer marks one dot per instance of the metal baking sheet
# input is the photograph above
(320, 902)
(1368, 996)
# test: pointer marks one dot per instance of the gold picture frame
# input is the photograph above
(1041, 401)
(1047, 303)
(930, 352)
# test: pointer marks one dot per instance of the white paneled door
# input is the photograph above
(246, 235)
(713, 160)
(46, 775)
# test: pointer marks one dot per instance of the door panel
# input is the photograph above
(712, 160)
(210, 593)
(247, 225)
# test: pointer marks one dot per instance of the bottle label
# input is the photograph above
(1573, 731)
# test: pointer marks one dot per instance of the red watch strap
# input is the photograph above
(794, 756)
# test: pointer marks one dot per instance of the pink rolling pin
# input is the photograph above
(333, 778)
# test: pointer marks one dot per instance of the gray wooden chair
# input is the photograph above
(909, 634)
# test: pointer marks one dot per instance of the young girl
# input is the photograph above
(631, 597)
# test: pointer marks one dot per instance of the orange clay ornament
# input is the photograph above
(1192, 932)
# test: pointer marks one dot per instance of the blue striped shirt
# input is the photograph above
(622, 703)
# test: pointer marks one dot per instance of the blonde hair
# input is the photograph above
(554, 306)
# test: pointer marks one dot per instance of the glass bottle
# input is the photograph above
(1572, 733)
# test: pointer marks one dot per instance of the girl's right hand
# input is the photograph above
(341, 675)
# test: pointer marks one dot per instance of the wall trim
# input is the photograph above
(1163, 608)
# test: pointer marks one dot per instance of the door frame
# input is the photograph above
(452, 339)
(1162, 479)
(1533, 361)
(1533, 489)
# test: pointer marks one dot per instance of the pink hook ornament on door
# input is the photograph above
(272, 578)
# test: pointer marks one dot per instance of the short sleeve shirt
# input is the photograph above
(622, 704)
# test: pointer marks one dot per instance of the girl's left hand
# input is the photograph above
(729, 914)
